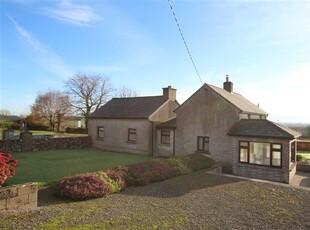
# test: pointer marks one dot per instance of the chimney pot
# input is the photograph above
(228, 85)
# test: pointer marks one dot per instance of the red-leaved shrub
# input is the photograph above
(118, 174)
(7, 167)
(81, 187)
(150, 171)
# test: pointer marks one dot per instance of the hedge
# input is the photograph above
(113, 180)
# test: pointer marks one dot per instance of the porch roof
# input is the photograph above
(170, 124)
(262, 128)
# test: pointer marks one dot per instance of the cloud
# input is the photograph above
(66, 11)
(47, 58)
(37, 45)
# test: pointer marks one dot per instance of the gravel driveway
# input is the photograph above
(196, 201)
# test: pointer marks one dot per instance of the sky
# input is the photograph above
(264, 47)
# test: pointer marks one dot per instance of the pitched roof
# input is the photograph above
(10, 118)
(130, 107)
(262, 128)
(170, 124)
(238, 100)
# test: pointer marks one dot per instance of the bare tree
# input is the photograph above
(51, 106)
(5, 112)
(126, 92)
(88, 92)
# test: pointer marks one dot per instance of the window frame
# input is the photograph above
(132, 131)
(205, 140)
(165, 134)
(100, 132)
(272, 150)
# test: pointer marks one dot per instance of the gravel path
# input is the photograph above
(196, 201)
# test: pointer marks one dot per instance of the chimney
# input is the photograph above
(228, 85)
(169, 93)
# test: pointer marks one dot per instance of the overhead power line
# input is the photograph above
(184, 41)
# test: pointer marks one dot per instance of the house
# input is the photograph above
(232, 130)
(129, 124)
(214, 121)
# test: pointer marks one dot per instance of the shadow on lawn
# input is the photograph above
(181, 185)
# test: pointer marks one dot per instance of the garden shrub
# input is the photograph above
(9, 125)
(81, 187)
(99, 184)
(76, 130)
(300, 158)
(179, 163)
(118, 174)
(113, 185)
(196, 161)
(150, 171)
(7, 167)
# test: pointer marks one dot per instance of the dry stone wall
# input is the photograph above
(42, 144)
(19, 197)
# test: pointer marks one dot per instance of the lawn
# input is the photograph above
(304, 154)
(46, 167)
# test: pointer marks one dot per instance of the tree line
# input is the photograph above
(83, 94)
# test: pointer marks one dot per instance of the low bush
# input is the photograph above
(76, 130)
(99, 184)
(81, 187)
(300, 158)
(9, 125)
(113, 185)
(150, 171)
(37, 126)
(7, 167)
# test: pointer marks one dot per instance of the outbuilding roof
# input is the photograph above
(130, 107)
(10, 118)
(262, 128)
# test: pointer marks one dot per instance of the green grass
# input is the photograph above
(46, 167)
(305, 154)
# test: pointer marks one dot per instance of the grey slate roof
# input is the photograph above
(130, 107)
(170, 124)
(262, 128)
(10, 118)
(239, 101)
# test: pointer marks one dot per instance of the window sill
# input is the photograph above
(269, 166)
(203, 152)
(167, 145)
(132, 142)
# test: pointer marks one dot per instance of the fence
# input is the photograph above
(303, 146)
(28, 143)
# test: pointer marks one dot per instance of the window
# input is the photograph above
(100, 132)
(165, 137)
(260, 153)
(132, 135)
(244, 152)
(203, 144)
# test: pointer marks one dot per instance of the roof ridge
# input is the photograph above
(121, 98)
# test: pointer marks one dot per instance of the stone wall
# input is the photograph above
(43, 144)
(19, 197)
